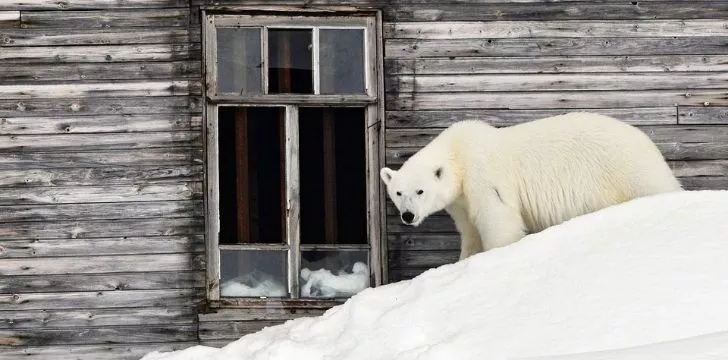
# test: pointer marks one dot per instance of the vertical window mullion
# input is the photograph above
(316, 67)
(293, 206)
(264, 57)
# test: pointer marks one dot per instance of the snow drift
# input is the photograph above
(650, 271)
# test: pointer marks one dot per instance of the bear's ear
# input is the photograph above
(386, 174)
(438, 172)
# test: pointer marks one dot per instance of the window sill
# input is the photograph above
(275, 303)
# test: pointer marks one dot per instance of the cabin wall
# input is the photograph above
(101, 212)
(101, 147)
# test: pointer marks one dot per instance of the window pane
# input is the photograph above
(238, 60)
(251, 156)
(251, 273)
(333, 274)
(341, 60)
(290, 68)
(333, 176)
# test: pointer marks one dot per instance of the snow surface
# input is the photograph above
(637, 280)
(322, 283)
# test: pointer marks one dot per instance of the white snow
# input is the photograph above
(322, 283)
(647, 279)
(237, 287)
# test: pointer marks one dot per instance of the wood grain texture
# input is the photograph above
(94, 211)
(17, 73)
(42, 319)
(9, 19)
(694, 115)
(104, 89)
(423, 258)
(99, 299)
(101, 282)
(557, 64)
(106, 141)
(582, 10)
(90, 352)
(99, 335)
(118, 36)
(100, 158)
(101, 246)
(100, 106)
(105, 19)
(232, 330)
(556, 99)
(97, 176)
(98, 124)
(82, 229)
(90, 4)
(101, 193)
(556, 82)
(101, 264)
(416, 48)
(444, 118)
(105, 54)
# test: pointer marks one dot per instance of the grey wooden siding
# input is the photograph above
(101, 215)
(101, 220)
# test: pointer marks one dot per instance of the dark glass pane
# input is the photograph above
(333, 176)
(251, 155)
(250, 273)
(290, 68)
(333, 274)
(341, 61)
(238, 60)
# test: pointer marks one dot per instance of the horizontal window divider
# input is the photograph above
(301, 100)
(343, 247)
(269, 247)
(281, 21)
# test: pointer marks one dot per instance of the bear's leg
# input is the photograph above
(470, 242)
(498, 224)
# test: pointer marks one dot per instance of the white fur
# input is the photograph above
(500, 184)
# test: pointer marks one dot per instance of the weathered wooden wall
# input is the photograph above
(101, 150)
(101, 216)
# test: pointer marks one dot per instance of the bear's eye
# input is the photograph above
(419, 192)
(399, 193)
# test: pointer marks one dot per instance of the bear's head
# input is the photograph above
(419, 190)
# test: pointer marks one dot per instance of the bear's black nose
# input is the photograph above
(407, 217)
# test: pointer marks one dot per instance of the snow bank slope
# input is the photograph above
(651, 270)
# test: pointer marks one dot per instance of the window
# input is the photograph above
(293, 112)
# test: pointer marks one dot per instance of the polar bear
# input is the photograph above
(499, 184)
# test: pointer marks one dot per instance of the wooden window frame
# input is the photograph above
(372, 102)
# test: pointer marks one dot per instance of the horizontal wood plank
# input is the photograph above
(99, 299)
(105, 19)
(99, 335)
(415, 48)
(90, 352)
(693, 115)
(103, 141)
(41, 319)
(433, 224)
(101, 246)
(94, 211)
(583, 10)
(107, 37)
(102, 282)
(256, 314)
(98, 176)
(232, 329)
(557, 64)
(101, 106)
(561, 99)
(98, 124)
(568, 29)
(90, 4)
(444, 118)
(82, 229)
(9, 19)
(101, 264)
(705, 182)
(699, 168)
(17, 73)
(105, 89)
(419, 242)
(555, 82)
(422, 259)
(105, 54)
(101, 193)
(101, 158)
